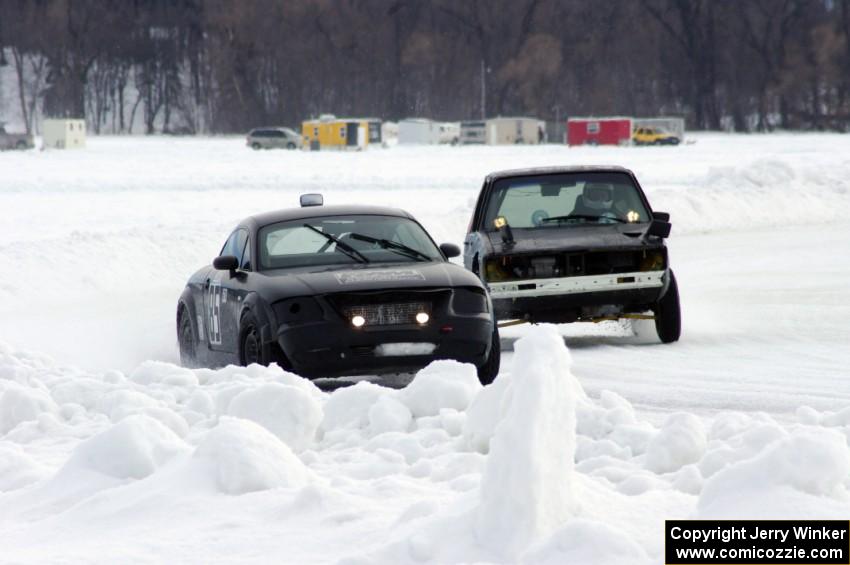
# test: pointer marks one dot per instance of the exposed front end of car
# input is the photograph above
(383, 331)
(558, 286)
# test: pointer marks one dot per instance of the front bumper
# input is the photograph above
(567, 299)
(332, 348)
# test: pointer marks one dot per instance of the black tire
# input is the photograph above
(256, 146)
(250, 344)
(668, 315)
(186, 339)
(21, 145)
(489, 370)
(290, 146)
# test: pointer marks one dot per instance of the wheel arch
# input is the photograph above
(255, 305)
(264, 316)
(187, 302)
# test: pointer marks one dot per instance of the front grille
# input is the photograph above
(390, 308)
(553, 265)
(388, 314)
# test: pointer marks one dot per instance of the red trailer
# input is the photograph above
(599, 131)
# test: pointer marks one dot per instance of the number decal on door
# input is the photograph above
(214, 312)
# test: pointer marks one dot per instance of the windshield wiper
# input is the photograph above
(341, 245)
(393, 246)
(582, 217)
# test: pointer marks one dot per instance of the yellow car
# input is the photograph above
(652, 136)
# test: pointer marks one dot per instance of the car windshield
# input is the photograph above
(339, 240)
(547, 201)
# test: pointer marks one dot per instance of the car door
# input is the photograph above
(236, 288)
(218, 305)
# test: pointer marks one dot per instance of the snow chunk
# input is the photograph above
(151, 372)
(680, 441)
(244, 457)
(442, 384)
(389, 415)
(349, 407)
(484, 413)
(133, 448)
(286, 411)
(526, 487)
(813, 462)
(585, 541)
(20, 403)
(17, 469)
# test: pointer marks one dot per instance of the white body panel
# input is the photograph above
(576, 285)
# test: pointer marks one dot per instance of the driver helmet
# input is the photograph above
(598, 196)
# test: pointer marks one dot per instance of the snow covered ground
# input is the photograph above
(108, 452)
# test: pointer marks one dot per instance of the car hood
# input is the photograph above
(384, 276)
(578, 238)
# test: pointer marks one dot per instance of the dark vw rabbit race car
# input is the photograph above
(573, 244)
(333, 291)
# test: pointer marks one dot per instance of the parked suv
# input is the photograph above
(273, 138)
(15, 140)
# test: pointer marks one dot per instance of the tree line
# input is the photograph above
(229, 65)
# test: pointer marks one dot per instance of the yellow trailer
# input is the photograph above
(330, 132)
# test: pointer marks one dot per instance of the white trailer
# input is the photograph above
(513, 131)
(450, 133)
(675, 126)
(418, 131)
(63, 134)
(389, 133)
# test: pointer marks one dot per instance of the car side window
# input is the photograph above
(229, 246)
(245, 263)
(235, 244)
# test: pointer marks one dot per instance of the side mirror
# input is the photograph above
(659, 228)
(663, 216)
(450, 250)
(226, 263)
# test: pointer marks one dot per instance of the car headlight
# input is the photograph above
(653, 261)
(470, 301)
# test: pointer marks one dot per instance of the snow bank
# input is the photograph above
(529, 469)
(245, 457)
(526, 487)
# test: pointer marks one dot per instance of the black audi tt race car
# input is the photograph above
(329, 291)
(568, 244)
